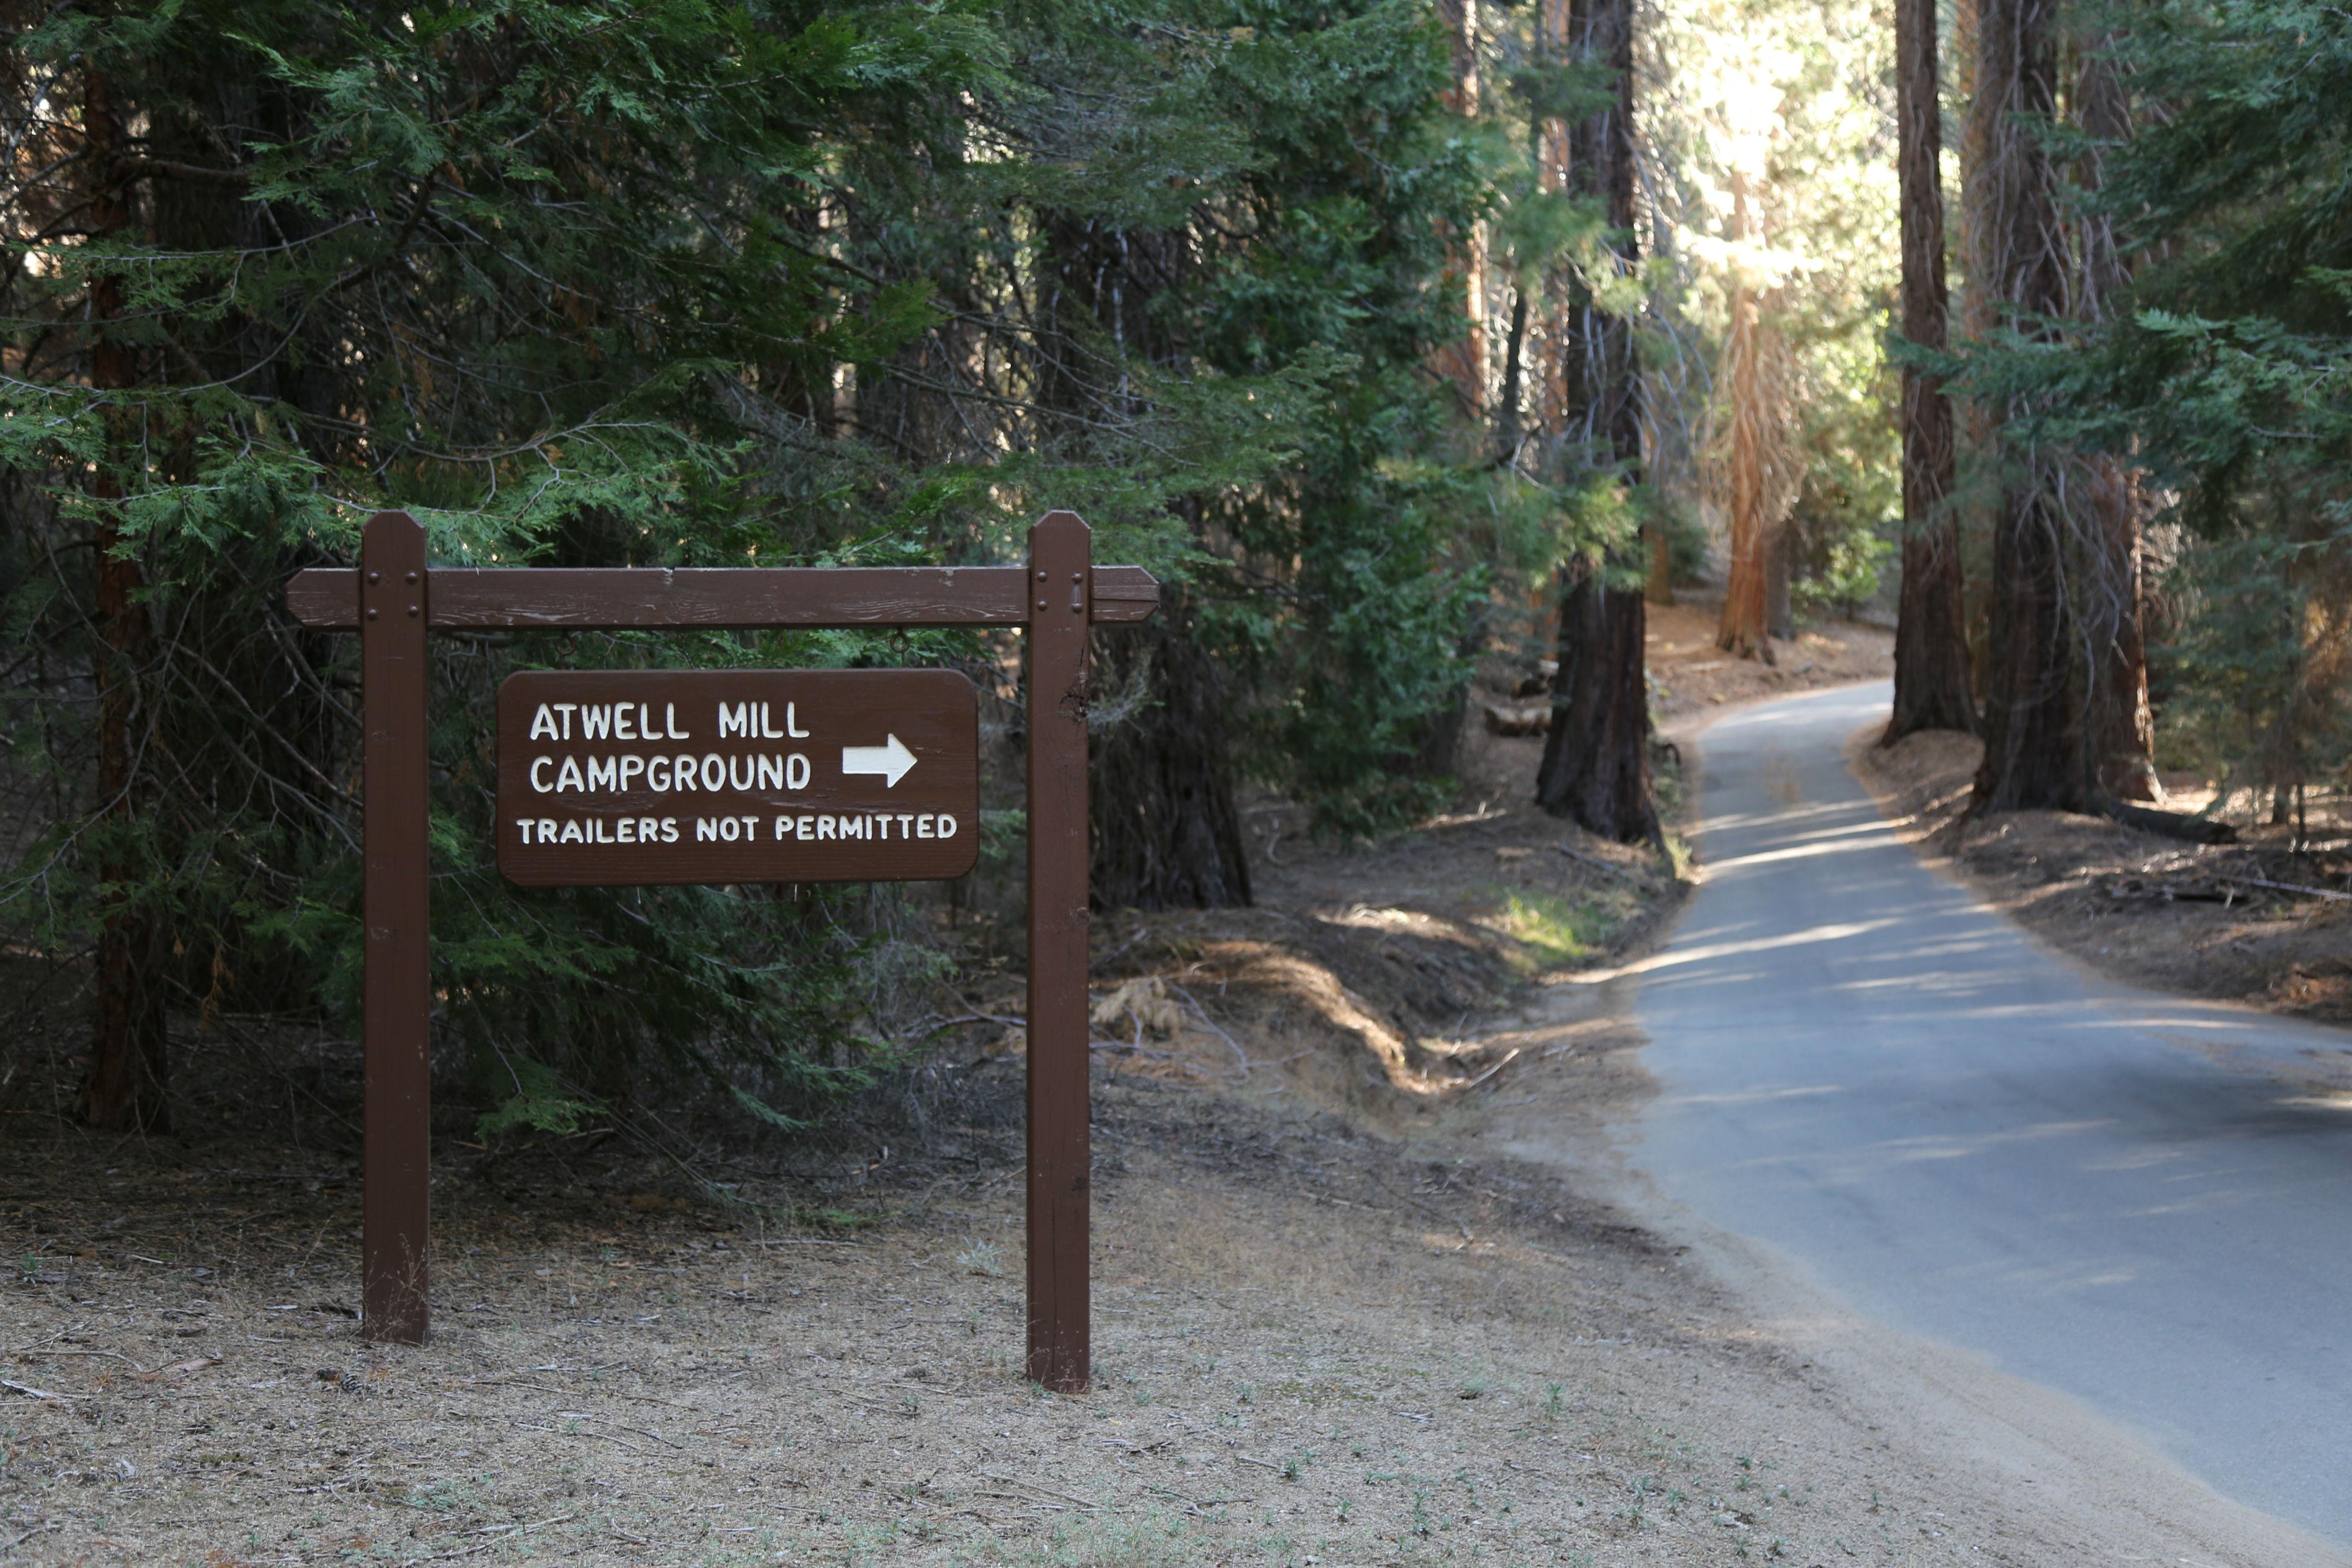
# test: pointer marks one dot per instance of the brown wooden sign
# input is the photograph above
(620, 777)
(883, 751)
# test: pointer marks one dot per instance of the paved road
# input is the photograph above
(1969, 1139)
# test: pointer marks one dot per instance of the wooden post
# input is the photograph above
(1055, 597)
(396, 988)
(1059, 1143)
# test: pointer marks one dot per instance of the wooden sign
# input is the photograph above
(775, 752)
(618, 778)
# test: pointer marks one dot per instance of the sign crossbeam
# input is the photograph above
(394, 597)
(723, 598)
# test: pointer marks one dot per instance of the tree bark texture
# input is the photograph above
(1167, 834)
(1976, 434)
(1742, 631)
(2123, 727)
(1165, 830)
(1779, 549)
(1659, 588)
(128, 1070)
(1596, 764)
(2036, 688)
(1464, 360)
(2066, 720)
(1596, 760)
(1931, 647)
(1762, 478)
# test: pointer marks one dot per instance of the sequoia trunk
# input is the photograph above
(1931, 648)
(2036, 689)
(1596, 760)
(1167, 834)
(1596, 764)
(1165, 830)
(1462, 362)
(2122, 730)
(1742, 631)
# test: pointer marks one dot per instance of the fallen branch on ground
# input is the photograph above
(2171, 824)
(2295, 887)
(1581, 858)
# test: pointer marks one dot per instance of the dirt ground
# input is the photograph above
(1371, 1288)
(2257, 922)
(1690, 675)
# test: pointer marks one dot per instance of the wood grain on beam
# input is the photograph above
(578, 599)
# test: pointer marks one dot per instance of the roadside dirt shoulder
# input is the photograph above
(2254, 922)
(1371, 1287)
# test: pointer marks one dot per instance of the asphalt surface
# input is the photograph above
(1967, 1137)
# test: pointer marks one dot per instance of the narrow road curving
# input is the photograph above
(1968, 1138)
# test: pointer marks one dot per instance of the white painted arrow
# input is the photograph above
(890, 760)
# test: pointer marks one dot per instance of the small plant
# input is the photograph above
(1472, 1387)
(1555, 1403)
(982, 1257)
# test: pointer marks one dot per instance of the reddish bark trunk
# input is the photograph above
(1596, 760)
(1931, 650)
(129, 1070)
(1464, 360)
(2036, 690)
(1743, 630)
(1596, 763)
(2123, 729)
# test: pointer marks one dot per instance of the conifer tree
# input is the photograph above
(1931, 654)
(1596, 763)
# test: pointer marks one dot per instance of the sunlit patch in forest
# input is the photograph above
(1553, 931)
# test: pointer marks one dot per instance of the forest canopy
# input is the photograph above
(1397, 340)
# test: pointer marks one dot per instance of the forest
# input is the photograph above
(1402, 343)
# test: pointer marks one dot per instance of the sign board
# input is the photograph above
(610, 777)
(737, 776)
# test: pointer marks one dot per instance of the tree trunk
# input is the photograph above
(1978, 433)
(1165, 829)
(1659, 588)
(1508, 427)
(2035, 744)
(1742, 631)
(1931, 648)
(1779, 551)
(1596, 763)
(2123, 729)
(1596, 760)
(128, 1070)
(1464, 360)
(1166, 832)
